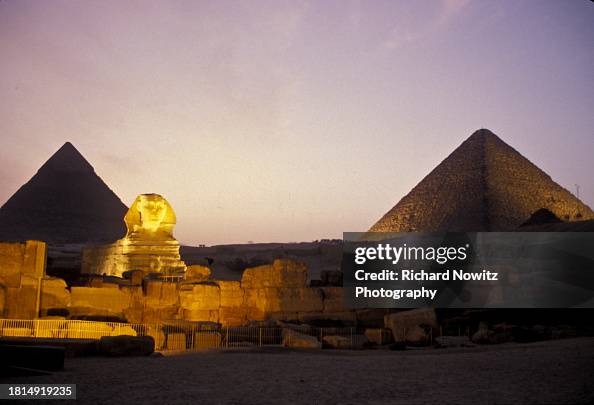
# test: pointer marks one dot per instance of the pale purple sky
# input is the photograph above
(290, 121)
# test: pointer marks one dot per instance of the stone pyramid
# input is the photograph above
(65, 202)
(484, 185)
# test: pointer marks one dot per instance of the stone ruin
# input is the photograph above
(273, 292)
(149, 245)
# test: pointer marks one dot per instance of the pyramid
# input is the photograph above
(65, 202)
(484, 185)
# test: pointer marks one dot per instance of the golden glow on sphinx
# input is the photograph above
(149, 244)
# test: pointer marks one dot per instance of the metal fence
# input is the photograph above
(169, 336)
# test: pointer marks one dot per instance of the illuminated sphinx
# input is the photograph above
(149, 244)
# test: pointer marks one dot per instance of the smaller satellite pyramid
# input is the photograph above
(483, 185)
(65, 202)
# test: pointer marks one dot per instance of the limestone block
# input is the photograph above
(196, 272)
(152, 315)
(333, 299)
(175, 341)
(231, 293)
(88, 330)
(379, 336)
(298, 340)
(270, 300)
(201, 297)
(255, 314)
(337, 342)
(111, 300)
(11, 263)
(233, 316)
(119, 330)
(416, 336)
(284, 316)
(206, 340)
(54, 294)
(282, 273)
(21, 302)
(35, 258)
(200, 315)
(407, 325)
(163, 293)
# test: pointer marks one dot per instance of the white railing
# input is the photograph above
(168, 336)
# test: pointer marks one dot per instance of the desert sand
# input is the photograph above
(560, 371)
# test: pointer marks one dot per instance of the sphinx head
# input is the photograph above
(150, 216)
(152, 210)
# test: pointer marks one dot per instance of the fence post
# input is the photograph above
(227, 337)
(260, 338)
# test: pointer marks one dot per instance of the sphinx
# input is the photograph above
(148, 245)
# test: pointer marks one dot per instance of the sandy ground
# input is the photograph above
(559, 371)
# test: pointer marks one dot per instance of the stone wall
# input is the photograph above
(277, 291)
(22, 275)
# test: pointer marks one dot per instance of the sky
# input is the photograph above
(290, 120)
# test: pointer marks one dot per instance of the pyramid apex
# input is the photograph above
(69, 159)
(483, 133)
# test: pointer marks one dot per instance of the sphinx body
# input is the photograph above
(148, 246)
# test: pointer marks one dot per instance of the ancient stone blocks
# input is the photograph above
(410, 325)
(54, 295)
(110, 300)
(17, 259)
(284, 299)
(282, 273)
(200, 297)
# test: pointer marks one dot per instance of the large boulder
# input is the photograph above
(282, 273)
(54, 295)
(411, 326)
(379, 336)
(101, 301)
(355, 341)
(298, 340)
(126, 345)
